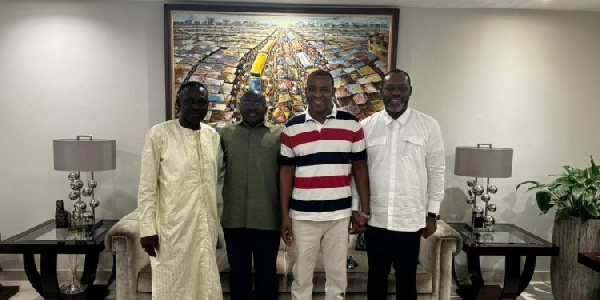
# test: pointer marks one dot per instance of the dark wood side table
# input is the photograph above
(507, 240)
(590, 260)
(48, 242)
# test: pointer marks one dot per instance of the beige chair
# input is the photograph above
(434, 273)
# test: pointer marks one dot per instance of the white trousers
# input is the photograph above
(330, 238)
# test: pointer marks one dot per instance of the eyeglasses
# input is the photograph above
(254, 104)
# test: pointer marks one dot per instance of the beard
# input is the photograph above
(394, 107)
(397, 108)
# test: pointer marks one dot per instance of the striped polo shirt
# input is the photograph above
(322, 155)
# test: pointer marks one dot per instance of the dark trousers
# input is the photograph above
(386, 248)
(243, 246)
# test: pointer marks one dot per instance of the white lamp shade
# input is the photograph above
(483, 162)
(84, 155)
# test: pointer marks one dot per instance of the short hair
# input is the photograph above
(398, 71)
(186, 86)
(253, 95)
(320, 72)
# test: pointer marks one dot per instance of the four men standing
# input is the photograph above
(320, 153)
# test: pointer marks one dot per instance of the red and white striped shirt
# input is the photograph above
(322, 155)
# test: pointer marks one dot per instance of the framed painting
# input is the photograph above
(231, 48)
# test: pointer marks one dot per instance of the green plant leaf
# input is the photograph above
(588, 196)
(577, 192)
(565, 187)
(592, 209)
(544, 201)
(588, 173)
(574, 193)
(569, 170)
(595, 169)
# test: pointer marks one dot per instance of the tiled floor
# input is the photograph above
(535, 291)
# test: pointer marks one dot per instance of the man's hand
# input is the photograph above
(286, 230)
(150, 244)
(358, 223)
(430, 227)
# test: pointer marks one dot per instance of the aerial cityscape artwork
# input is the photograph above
(231, 49)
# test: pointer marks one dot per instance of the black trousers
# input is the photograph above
(386, 248)
(243, 246)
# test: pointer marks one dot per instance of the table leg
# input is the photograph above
(475, 271)
(89, 275)
(527, 272)
(474, 268)
(512, 268)
(89, 268)
(32, 273)
(516, 281)
(48, 276)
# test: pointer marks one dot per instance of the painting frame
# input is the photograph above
(255, 10)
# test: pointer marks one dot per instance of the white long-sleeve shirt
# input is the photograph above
(406, 169)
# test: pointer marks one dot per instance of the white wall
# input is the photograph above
(72, 68)
(522, 79)
(528, 80)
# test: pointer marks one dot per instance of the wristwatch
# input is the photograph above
(433, 215)
(364, 215)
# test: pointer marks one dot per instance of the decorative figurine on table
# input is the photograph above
(61, 216)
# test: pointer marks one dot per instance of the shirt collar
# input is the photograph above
(329, 116)
(202, 126)
(402, 119)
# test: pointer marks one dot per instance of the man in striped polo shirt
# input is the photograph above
(320, 151)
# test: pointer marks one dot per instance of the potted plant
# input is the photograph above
(576, 196)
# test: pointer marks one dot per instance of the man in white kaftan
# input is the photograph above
(177, 202)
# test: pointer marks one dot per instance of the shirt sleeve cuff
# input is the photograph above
(355, 204)
(433, 207)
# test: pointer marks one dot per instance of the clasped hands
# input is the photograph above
(358, 223)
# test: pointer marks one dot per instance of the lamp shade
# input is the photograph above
(84, 155)
(483, 162)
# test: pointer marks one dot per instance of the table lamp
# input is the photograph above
(84, 154)
(482, 161)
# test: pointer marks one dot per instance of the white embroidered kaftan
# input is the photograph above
(177, 201)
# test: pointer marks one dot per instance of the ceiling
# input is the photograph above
(582, 5)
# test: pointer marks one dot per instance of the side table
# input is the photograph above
(590, 260)
(509, 241)
(48, 242)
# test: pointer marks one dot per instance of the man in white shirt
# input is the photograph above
(406, 171)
